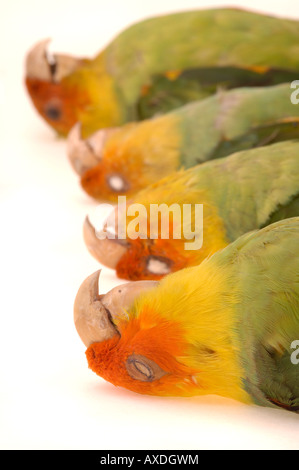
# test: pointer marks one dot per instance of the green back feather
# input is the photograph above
(253, 188)
(165, 93)
(194, 39)
(236, 120)
(265, 265)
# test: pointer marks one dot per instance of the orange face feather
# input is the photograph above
(113, 176)
(176, 337)
(131, 158)
(57, 103)
(151, 258)
(117, 359)
(136, 263)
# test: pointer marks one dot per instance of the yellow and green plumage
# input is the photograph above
(239, 193)
(140, 154)
(163, 62)
(223, 327)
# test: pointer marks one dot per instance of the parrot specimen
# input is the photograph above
(227, 327)
(120, 162)
(239, 193)
(159, 64)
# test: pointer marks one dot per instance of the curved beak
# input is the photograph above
(96, 316)
(84, 154)
(91, 319)
(105, 250)
(41, 65)
(37, 63)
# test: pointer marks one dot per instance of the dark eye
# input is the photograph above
(53, 113)
(143, 369)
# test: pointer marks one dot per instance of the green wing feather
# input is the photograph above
(236, 120)
(253, 188)
(164, 93)
(266, 264)
(198, 39)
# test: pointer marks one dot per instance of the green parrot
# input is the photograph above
(159, 64)
(228, 327)
(139, 154)
(239, 193)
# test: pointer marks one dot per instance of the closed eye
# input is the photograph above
(144, 369)
(158, 265)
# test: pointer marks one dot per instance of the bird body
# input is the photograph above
(225, 327)
(140, 154)
(239, 193)
(208, 48)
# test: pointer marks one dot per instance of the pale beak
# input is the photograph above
(96, 316)
(85, 154)
(41, 65)
(106, 250)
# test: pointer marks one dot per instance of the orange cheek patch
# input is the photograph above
(56, 103)
(98, 181)
(94, 183)
(134, 264)
(160, 343)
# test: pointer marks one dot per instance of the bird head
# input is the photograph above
(172, 337)
(66, 90)
(122, 161)
(135, 350)
(179, 233)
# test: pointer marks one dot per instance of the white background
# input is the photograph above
(49, 399)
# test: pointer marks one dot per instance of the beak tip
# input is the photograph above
(105, 251)
(82, 154)
(36, 64)
(90, 314)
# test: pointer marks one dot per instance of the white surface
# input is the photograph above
(49, 399)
